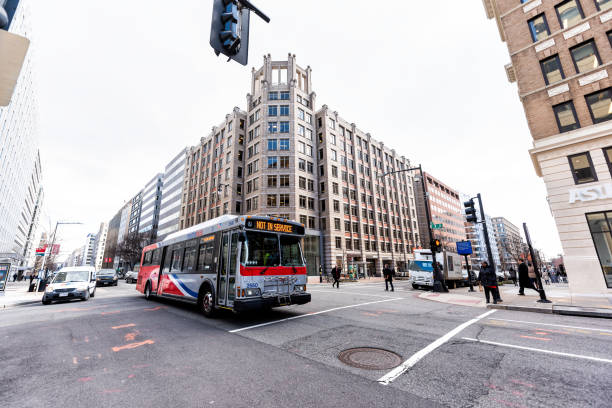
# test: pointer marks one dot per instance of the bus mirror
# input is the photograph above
(242, 237)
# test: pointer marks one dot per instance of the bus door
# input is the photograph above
(164, 267)
(227, 269)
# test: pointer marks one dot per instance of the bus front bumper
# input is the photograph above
(243, 305)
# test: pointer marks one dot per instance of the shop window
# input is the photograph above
(582, 168)
(566, 116)
(599, 225)
(600, 105)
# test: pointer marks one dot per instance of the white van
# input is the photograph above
(76, 282)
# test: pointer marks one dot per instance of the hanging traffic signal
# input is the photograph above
(435, 245)
(229, 32)
(470, 211)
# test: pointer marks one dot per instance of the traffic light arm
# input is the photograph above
(250, 6)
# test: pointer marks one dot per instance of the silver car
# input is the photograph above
(71, 283)
(131, 277)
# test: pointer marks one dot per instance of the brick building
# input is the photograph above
(560, 55)
(283, 158)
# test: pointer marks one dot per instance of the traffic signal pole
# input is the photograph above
(535, 267)
(486, 233)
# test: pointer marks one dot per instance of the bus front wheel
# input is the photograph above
(206, 302)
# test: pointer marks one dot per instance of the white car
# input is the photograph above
(131, 277)
(77, 282)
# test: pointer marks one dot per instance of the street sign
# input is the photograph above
(464, 248)
(5, 268)
(436, 226)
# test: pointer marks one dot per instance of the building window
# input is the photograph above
(301, 131)
(272, 144)
(569, 13)
(284, 144)
(538, 28)
(566, 116)
(610, 36)
(272, 127)
(284, 110)
(337, 224)
(585, 56)
(283, 199)
(552, 70)
(601, 233)
(338, 243)
(284, 181)
(272, 162)
(603, 4)
(582, 168)
(600, 105)
(284, 127)
(272, 110)
(608, 156)
(284, 95)
(271, 200)
(284, 162)
(272, 181)
(273, 96)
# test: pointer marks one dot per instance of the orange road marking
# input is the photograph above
(123, 326)
(542, 333)
(523, 383)
(74, 360)
(141, 366)
(155, 308)
(84, 379)
(87, 358)
(553, 331)
(132, 345)
(131, 336)
(86, 339)
(110, 391)
(583, 331)
(110, 313)
(605, 334)
(535, 338)
(131, 376)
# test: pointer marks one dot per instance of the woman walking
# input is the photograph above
(488, 278)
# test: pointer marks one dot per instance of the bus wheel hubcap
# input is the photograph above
(207, 302)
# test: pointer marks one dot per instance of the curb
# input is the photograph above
(560, 310)
(23, 303)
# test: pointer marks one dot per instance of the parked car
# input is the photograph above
(107, 277)
(131, 277)
(77, 282)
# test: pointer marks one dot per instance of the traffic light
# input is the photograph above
(229, 31)
(435, 245)
(470, 211)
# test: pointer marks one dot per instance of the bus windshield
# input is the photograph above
(263, 250)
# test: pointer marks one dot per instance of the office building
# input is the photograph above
(19, 161)
(560, 54)
(510, 244)
(283, 158)
(171, 196)
(149, 213)
(445, 209)
(88, 251)
(100, 246)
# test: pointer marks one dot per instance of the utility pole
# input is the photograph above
(535, 266)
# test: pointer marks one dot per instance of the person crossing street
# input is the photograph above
(388, 273)
(336, 270)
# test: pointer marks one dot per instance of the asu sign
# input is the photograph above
(592, 193)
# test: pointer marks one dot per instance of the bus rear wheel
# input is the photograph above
(206, 302)
(147, 291)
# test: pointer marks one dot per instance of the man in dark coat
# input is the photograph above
(336, 275)
(512, 275)
(524, 281)
(388, 273)
(488, 279)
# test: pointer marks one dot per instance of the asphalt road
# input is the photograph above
(118, 349)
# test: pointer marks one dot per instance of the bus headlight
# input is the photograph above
(253, 292)
(300, 288)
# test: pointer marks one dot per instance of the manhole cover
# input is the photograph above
(370, 358)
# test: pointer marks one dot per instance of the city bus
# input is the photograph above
(231, 262)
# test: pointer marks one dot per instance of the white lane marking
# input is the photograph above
(554, 325)
(311, 314)
(352, 293)
(406, 365)
(557, 353)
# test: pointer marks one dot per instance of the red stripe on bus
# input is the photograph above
(272, 270)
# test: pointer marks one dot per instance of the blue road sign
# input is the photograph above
(464, 248)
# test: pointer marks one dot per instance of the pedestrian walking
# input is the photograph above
(488, 278)
(440, 277)
(513, 275)
(524, 281)
(15, 277)
(389, 273)
(532, 275)
(336, 270)
(546, 277)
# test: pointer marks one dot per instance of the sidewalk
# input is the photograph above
(563, 302)
(16, 293)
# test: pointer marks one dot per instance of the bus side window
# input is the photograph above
(167, 260)
(156, 257)
(210, 249)
(147, 258)
(202, 258)
(190, 260)
(177, 258)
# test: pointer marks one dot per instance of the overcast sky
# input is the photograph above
(123, 85)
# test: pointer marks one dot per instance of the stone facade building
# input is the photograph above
(560, 55)
(282, 158)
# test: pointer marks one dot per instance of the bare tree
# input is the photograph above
(130, 249)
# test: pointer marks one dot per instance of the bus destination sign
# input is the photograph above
(272, 226)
